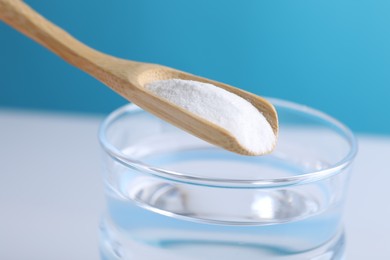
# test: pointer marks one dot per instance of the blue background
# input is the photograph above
(333, 55)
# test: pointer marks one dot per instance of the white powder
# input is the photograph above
(221, 107)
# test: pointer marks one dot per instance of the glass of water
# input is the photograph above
(172, 196)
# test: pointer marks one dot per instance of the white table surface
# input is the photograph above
(51, 193)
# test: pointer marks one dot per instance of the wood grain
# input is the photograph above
(128, 78)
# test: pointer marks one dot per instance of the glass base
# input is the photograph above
(115, 244)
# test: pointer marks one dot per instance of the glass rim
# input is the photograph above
(122, 158)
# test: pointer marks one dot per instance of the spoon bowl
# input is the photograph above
(128, 78)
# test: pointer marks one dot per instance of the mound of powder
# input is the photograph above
(221, 107)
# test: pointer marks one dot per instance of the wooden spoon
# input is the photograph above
(128, 78)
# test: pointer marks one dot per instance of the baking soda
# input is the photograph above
(220, 107)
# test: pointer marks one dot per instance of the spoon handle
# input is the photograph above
(24, 19)
(20, 16)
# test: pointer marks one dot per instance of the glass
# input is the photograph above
(171, 195)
